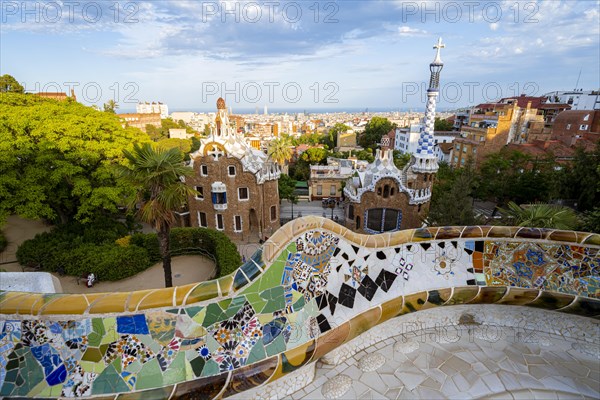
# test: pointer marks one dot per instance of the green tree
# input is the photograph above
(401, 159)
(330, 138)
(374, 130)
(155, 174)
(162, 132)
(287, 186)
(315, 155)
(591, 220)
(111, 106)
(441, 125)
(452, 202)
(541, 216)
(280, 150)
(582, 177)
(56, 157)
(8, 84)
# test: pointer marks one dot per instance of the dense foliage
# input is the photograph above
(10, 85)
(98, 247)
(374, 130)
(56, 159)
(195, 241)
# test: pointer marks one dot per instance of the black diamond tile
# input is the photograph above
(470, 270)
(397, 250)
(351, 262)
(454, 243)
(381, 255)
(479, 246)
(368, 288)
(336, 251)
(425, 246)
(471, 282)
(409, 247)
(323, 323)
(442, 244)
(346, 297)
(321, 301)
(332, 300)
(355, 249)
(468, 251)
(345, 256)
(385, 280)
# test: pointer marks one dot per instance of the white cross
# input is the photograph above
(438, 46)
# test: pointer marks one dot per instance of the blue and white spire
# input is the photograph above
(425, 157)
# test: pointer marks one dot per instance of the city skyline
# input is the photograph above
(294, 56)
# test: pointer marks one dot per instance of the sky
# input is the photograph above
(299, 55)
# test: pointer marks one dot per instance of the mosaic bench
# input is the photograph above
(312, 287)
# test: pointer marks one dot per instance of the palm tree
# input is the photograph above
(542, 216)
(155, 175)
(111, 106)
(280, 150)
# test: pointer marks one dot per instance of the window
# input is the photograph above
(464, 149)
(456, 159)
(202, 219)
(583, 127)
(273, 213)
(587, 117)
(200, 195)
(243, 193)
(231, 170)
(392, 191)
(568, 126)
(204, 170)
(351, 211)
(386, 191)
(237, 223)
(332, 190)
(357, 222)
(383, 219)
(219, 198)
(319, 190)
(219, 222)
(458, 147)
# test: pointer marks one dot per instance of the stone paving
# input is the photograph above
(433, 364)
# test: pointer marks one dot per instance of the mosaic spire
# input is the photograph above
(425, 155)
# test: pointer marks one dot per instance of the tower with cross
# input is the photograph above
(425, 157)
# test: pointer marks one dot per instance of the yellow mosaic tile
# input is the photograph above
(462, 295)
(298, 356)
(158, 298)
(203, 291)
(69, 304)
(413, 302)
(226, 284)
(11, 302)
(114, 302)
(363, 322)
(401, 237)
(181, 292)
(519, 296)
(331, 340)
(502, 231)
(489, 295)
(472, 232)
(391, 308)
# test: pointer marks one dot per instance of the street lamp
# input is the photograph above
(329, 203)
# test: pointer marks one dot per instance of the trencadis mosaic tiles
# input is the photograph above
(319, 290)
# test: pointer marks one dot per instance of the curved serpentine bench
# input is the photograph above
(312, 287)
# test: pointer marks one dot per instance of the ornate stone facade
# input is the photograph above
(237, 185)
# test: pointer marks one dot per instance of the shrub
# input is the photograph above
(195, 241)
(108, 262)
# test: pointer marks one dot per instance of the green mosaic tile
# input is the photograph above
(117, 364)
(199, 317)
(273, 275)
(299, 304)
(92, 354)
(150, 376)
(256, 301)
(234, 306)
(276, 347)
(134, 367)
(29, 372)
(109, 381)
(214, 313)
(275, 299)
(192, 311)
(96, 368)
(210, 368)
(257, 353)
(176, 371)
(197, 366)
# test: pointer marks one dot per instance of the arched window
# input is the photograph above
(386, 191)
(392, 191)
(379, 191)
(382, 220)
(357, 222)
